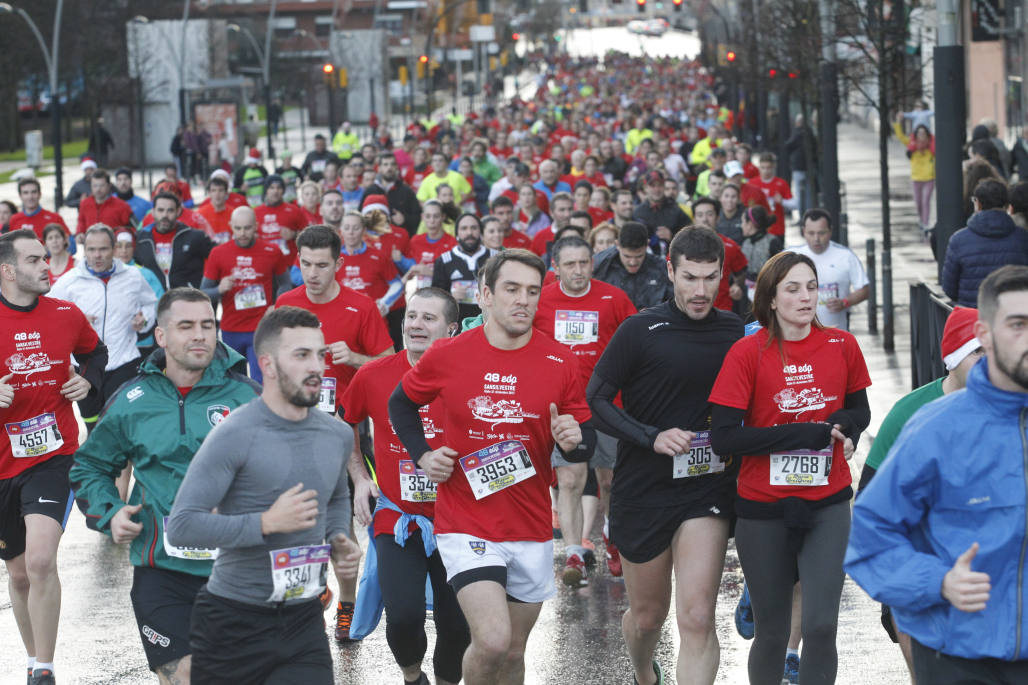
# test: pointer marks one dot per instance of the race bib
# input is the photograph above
(34, 437)
(470, 291)
(298, 572)
(250, 297)
(806, 468)
(327, 398)
(187, 553)
(827, 291)
(497, 467)
(414, 484)
(700, 460)
(163, 254)
(576, 328)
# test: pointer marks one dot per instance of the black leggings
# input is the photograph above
(401, 575)
(771, 572)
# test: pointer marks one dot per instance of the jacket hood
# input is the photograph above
(1001, 401)
(225, 359)
(992, 223)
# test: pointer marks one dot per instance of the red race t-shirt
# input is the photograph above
(517, 239)
(368, 396)
(544, 236)
(586, 323)
(812, 383)
(770, 188)
(254, 269)
(493, 401)
(735, 261)
(38, 221)
(367, 272)
(218, 222)
(600, 215)
(36, 348)
(351, 318)
(423, 250)
(271, 221)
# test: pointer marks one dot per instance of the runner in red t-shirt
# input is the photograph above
(38, 384)
(368, 270)
(354, 332)
(582, 313)
(278, 222)
(786, 399)
(101, 207)
(402, 532)
(217, 211)
(776, 191)
(33, 216)
(245, 273)
(424, 248)
(500, 423)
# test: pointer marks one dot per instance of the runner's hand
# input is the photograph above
(364, 489)
(835, 304)
(837, 434)
(673, 441)
(6, 391)
(225, 284)
(848, 448)
(341, 353)
(123, 528)
(76, 388)
(438, 464)
(565, 430)
(965, 589)
(383, 308)
(138, 322)
(346, 555)
(295, 509)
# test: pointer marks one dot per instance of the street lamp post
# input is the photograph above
(182, 65)
(50, 57)
(140, 100)
(264, 56)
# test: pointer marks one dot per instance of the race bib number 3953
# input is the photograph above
(497, 467)
(298, 572)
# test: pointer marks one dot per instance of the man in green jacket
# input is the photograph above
(156, 422)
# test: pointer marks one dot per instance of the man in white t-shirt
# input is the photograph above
(842, 281)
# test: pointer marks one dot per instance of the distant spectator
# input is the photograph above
(990, 240)
(976, 172)
(1018, 208)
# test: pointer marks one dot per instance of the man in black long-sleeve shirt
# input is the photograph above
(672, 496)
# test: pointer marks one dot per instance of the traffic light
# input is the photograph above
(423, 59)
(640, 5)
(328, 70)
(771, 73)
(515, 36)
(677, 4)
(793, 74)
(730, 56)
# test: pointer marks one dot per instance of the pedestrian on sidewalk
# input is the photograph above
(921, 152)
(100, 142)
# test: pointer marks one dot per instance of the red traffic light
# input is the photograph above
(793, 74)
(515, 36)
(328, 68)
(772, 73)
(423, 59)
(730, 55)
(641, 3)
(676, 3)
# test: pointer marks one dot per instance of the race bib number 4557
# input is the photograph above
(34, 437)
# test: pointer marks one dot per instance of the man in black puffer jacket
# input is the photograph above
(174, 252)
(990, 240)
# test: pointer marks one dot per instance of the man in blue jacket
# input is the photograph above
(939, 535)
(990, 240)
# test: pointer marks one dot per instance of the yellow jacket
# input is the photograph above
(922, 162)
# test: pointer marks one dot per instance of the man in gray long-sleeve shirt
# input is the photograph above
(275, 473)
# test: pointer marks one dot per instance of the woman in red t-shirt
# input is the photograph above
(785, 400)
(56, 242)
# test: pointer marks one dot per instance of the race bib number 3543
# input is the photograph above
(497, 467)
(414, 484)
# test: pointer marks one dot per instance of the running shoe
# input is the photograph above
(744, 615)
(29, 681)
(589, 556)
(422, 680)
(42, 676)
(657, 670)
(792, 669)
(613, 556)
(326, 598)
(344, 617)
(557, 535)
(574, 572)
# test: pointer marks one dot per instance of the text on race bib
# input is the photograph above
(803, 468)
(327, 398)
(497, 467)
(700, 460)
(250, 297)
(187, 553)
(298, 572)
(414, 484)
(572, 327)
(34, 437)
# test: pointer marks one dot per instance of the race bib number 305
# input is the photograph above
(497, 467)
(575, 327)
(298, 572)
(804, 468)
(700, 460)
(34, 437)
(414, 484)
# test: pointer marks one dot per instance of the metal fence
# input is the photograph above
(928, 312)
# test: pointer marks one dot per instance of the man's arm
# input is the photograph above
(98, 462)
(337, 511)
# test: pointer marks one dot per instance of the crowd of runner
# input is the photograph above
(580, 310)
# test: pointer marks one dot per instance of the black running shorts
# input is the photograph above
(42, 489)
(235, 642)
(163, 603)
(641, 534)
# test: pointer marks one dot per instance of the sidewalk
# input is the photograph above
(911, 260)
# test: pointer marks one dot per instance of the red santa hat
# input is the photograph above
(958, 339)
(373, 202)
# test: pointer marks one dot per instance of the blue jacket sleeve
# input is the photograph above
(295, 276)
(888, 554)
(951, 272)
